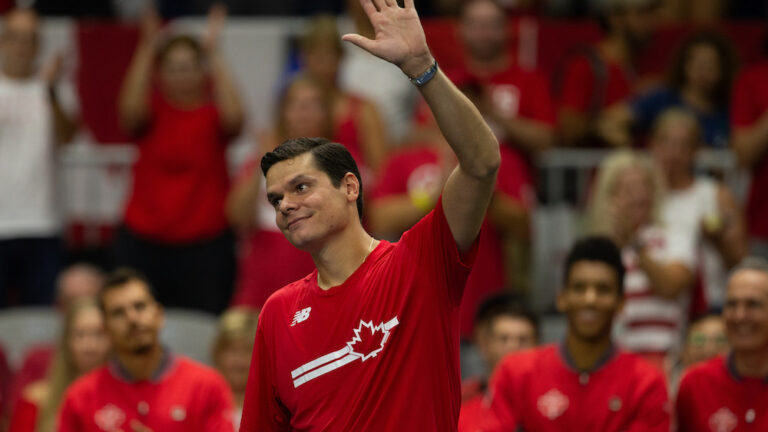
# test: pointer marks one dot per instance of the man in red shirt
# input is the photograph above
(516, 101)
(585, 383)
(595, 77)
(145, 388)
(749, 122)
(369, 341)
(502, 326)
(730, 393)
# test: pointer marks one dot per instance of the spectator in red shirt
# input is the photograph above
(596, 77)
(585, 383)
(516, 102)
(357, 124)
(267, 261)
(705, 339)
(174, 227)
(232, 352)
(82, 347)
(145, 387)
(730, 392)
(370, 340)
(749, 140)
(502, 326)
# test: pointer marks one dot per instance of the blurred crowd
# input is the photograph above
(208, 241)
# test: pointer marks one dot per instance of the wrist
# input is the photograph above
(416, 66)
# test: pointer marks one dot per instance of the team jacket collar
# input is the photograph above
(166, 364)
(571, 364)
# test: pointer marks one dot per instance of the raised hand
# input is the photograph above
(150, 25)
(52, 70)
(217, 18)
(398, 36)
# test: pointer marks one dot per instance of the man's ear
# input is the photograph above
(560, 300)
(351, 186)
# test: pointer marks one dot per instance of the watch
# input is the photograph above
(424, 78)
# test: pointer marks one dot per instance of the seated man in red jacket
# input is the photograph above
(585, 383)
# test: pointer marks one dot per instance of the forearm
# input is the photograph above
(463, 127)
(751, 143)
(64, 126)
(241, 202)
(226, 96)
(668, 280)
(393, 215)
(133, 103)
(572, 127)
(531, 135)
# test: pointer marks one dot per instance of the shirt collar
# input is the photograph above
(167, 361)
(730, 365)
(568, 359)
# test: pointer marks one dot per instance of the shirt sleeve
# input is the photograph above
(218, 407)
(538, 105)
(24, 416)
(653, 410)
(262, 409)
(431, 246)
(683, 405)
(577, 86)
(503, 400)
(744, 110)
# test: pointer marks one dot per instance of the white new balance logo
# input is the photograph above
(300, 316)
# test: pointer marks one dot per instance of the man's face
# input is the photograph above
(308, 207)
(746, 311)
(18, 42)
(181, 71)
(506, 334)
(706, 339)
(590, 300)
(133, 318)
(483, 29)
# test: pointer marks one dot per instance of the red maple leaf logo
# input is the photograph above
(368, 340)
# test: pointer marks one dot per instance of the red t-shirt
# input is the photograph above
(537, 390)
(476, 416)
(580, 84)
(749, 103)
(180, 181)
(24, 418)
(714, 398)
(514, 92)
(412, 167)
(185, 396)
(379, 352)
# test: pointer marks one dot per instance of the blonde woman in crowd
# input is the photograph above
(659, 261)
(232, 352)
(83, 346)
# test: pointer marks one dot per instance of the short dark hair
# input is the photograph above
(599, 249)
(119, 278)
(332, 158)
(505, 305)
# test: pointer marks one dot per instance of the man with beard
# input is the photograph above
(585, 383)
(145, 387)
(730, 392)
